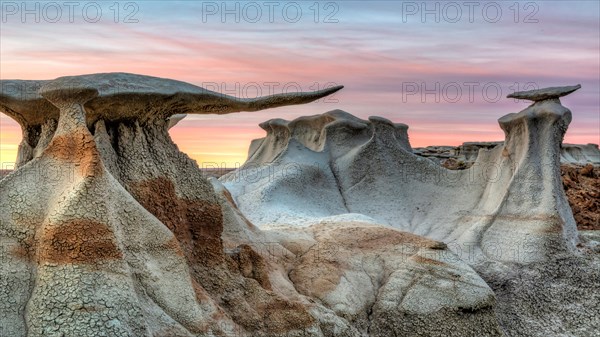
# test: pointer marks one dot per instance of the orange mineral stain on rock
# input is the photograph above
(78, 148)
(317, 279)
(425, 260)
(197, 224)
(251, 265)
(79, 241)
(281, 316)
(377, 238)
(173, 245)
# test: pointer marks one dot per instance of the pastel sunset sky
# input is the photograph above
(447, 80)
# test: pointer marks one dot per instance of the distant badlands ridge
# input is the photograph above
(581, 154)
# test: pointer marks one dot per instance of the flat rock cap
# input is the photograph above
(544, 93)
(121, 96)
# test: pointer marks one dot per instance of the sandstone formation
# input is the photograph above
(543, 94)
(506, 216)
(580, 172)
(334, 164)
(108, 230)
(333, 227)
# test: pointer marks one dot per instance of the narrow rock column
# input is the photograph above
(533, 220)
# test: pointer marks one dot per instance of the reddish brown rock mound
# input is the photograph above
(582, 186)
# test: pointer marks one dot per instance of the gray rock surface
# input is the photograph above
(544, 93)
(334, 164)
(506, 216)
(108, 229)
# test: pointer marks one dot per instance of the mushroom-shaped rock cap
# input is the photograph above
(20, 99)
(544, 93)
(125, 96)
(68, 90)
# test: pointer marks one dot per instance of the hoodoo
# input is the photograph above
(506, 216)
